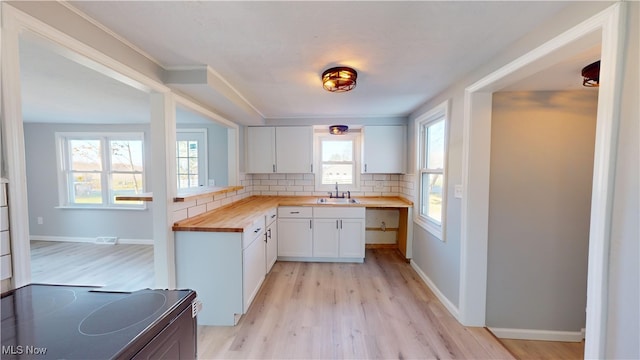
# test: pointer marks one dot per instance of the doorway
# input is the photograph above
(85, 137)
(603, 27)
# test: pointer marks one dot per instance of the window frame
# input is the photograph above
(431, 117)
(63, 159)
(318, 138)
(203, 152)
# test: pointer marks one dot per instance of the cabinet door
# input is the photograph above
(294, 237)
(253, 271)
(272, 245)
(352, 238)
(261, 151)
(294, 147)
(326, 233)
(384, 149)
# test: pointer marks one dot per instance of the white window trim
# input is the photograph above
(62, 162)
(439, 112)
(317, 161)
(205, 151)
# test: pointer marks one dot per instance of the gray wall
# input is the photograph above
(217, 149)
(542, 146)
(42, 187)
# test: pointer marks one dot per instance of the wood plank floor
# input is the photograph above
(121, 266)
(544, 350)
(377, 310)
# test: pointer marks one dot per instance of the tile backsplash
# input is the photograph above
(296, 185)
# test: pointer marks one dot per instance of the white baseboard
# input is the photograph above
(443, 299)
(544, 335)
(89, 239)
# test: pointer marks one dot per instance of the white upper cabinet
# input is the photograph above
(384, 149)
(261, 150)
(294, 148)
(281, 149)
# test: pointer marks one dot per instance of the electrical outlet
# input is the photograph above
(40, 220)
(379, 184)
(457, 191)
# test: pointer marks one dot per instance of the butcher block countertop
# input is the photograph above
(238, 215)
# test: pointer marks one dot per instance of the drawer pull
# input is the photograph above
(294, 212)
(257, 230)
(274, 215)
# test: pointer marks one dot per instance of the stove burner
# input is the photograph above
(40, 302)
(121, 314)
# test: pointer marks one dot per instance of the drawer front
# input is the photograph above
(336, 212)
(5, 267)
(272, 216)
(295, 212)
(256, 229)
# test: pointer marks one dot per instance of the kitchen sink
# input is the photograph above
(337, 201)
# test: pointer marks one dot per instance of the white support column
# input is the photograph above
(14, 153)
(162, 178)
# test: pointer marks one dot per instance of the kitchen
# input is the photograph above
(444, 270)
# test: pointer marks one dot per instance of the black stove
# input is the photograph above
(74, 322)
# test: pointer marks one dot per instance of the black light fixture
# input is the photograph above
(591, 75)
(338, 129)
(339, 79)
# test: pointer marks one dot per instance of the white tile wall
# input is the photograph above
(296, 185)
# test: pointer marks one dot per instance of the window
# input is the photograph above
(95, 168)
(191, 158)
(336, 159)
(432, 132)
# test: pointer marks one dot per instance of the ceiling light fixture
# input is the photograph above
(338, 129)
(339, 79)
(591, 75)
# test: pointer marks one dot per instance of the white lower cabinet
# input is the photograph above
(253, 270)
(326, 238)
(295, 235)
(339, 232)
(271, 239)
(226, 269)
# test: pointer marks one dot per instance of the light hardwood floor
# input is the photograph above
(118, 267)
(545, 350)
(379, 309)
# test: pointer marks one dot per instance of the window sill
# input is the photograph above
(434, 230)
(67, 207)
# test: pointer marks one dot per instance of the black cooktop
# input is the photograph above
(73, 322)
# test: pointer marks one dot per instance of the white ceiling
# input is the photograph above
(270, 55)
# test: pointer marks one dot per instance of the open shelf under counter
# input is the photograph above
(198, 193)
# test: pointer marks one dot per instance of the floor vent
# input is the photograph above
(107, 240)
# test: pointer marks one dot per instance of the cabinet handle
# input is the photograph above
(310, 227)
(274, 167)
(336, 224)
(274, 215)
(257, 230)
(294, 212)
(311, 167)
(365, 167)
(265, 237)
(269, 232)
(340, 224)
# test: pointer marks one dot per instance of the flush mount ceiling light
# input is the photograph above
(339, 79)
(338, 129)
(591, 75)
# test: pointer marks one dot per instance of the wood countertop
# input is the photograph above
(238, 215)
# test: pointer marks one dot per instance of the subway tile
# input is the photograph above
(204, 200)
(277, 176)
(183, 205)
(196, 210)
(295, 176)
(214, 205)
(261, 176)
(366, 177)
(277, 188)
(303, 193)
(286, 193)
(304, 182)
(180, 215)
(309, 176)
(380, 177)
